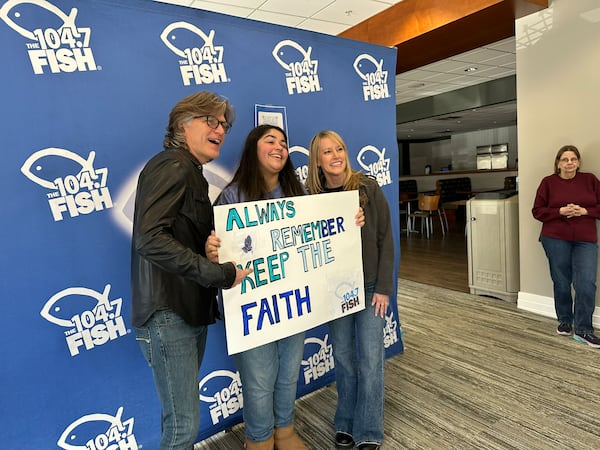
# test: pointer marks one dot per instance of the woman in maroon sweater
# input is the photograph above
(568, 205)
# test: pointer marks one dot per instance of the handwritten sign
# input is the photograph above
(307, 258)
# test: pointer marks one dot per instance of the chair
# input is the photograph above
(428, 206)
(443, 218)
(408, 196)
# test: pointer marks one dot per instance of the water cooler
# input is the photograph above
(493, 244)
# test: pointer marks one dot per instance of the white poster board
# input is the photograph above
(307, 258)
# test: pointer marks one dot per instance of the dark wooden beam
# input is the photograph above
(425, 31)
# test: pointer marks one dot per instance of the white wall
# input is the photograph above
(558, 62)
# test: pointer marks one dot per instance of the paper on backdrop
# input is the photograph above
(307, 258)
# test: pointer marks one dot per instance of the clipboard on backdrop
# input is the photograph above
(271, 115)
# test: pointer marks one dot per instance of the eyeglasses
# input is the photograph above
(567, 160)
(214, 123)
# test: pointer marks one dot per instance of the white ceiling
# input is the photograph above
(493, 61)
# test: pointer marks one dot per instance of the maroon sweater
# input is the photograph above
(554, 192)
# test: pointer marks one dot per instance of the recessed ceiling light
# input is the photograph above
(471, 69)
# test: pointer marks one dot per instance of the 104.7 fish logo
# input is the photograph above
(56, 42)
(90, 317)
(82, 190)
(202, 60)
(99, 431)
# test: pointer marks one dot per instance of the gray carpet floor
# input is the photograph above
(476, 373)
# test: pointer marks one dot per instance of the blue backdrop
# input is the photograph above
(86, 91)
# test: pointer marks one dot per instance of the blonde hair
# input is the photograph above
(315, 182)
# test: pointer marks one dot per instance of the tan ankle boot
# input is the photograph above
(287, 439)
(262, 445)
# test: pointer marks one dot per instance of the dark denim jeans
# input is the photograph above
(359, 355)
(174, 351)
(573, 263)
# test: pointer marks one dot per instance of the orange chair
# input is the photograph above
(428, 206)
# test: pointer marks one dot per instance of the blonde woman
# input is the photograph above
(357, 339)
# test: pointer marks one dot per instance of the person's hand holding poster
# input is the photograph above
(307, 259)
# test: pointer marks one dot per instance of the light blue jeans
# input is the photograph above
(359, 355)
(269, 375)
(174, 351)
(573, 263)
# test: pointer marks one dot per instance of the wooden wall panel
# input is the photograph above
(425, 31)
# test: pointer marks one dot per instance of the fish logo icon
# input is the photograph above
(301, 70)
(77, 434)
(360, 64)
(213, 383)
(374, 86)
(369, 157)
(319, 359)
(343, 288)
(14, 10)
(288, 52)
(390, 323)
(299, 149)
(299, 157)
(178, 31)
(34, 167)
(322, 347)
(57, 309)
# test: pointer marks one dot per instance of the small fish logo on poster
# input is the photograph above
(390, 331)
(222, 390)
(91, 318)
(374, 163)
(55, 42)
(347, 293)
(374, 77)
(320, 359)
(99, 431)
(201, 60)
(301, 75)
(78, 187)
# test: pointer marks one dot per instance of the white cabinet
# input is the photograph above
(493, 247)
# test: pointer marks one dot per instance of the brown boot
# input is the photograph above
(287, 439)
(262, 445)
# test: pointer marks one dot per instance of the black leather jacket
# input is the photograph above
(173, 217)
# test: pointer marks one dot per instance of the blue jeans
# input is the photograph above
(269, 375)
(359, 354)
(174, 351)
(575, 263)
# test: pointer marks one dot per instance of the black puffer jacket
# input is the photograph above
(173, 218)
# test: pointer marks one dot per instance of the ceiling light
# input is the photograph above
(471, 69)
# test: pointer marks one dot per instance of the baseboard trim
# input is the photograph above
(544, 306)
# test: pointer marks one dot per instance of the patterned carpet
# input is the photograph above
(477, 373)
